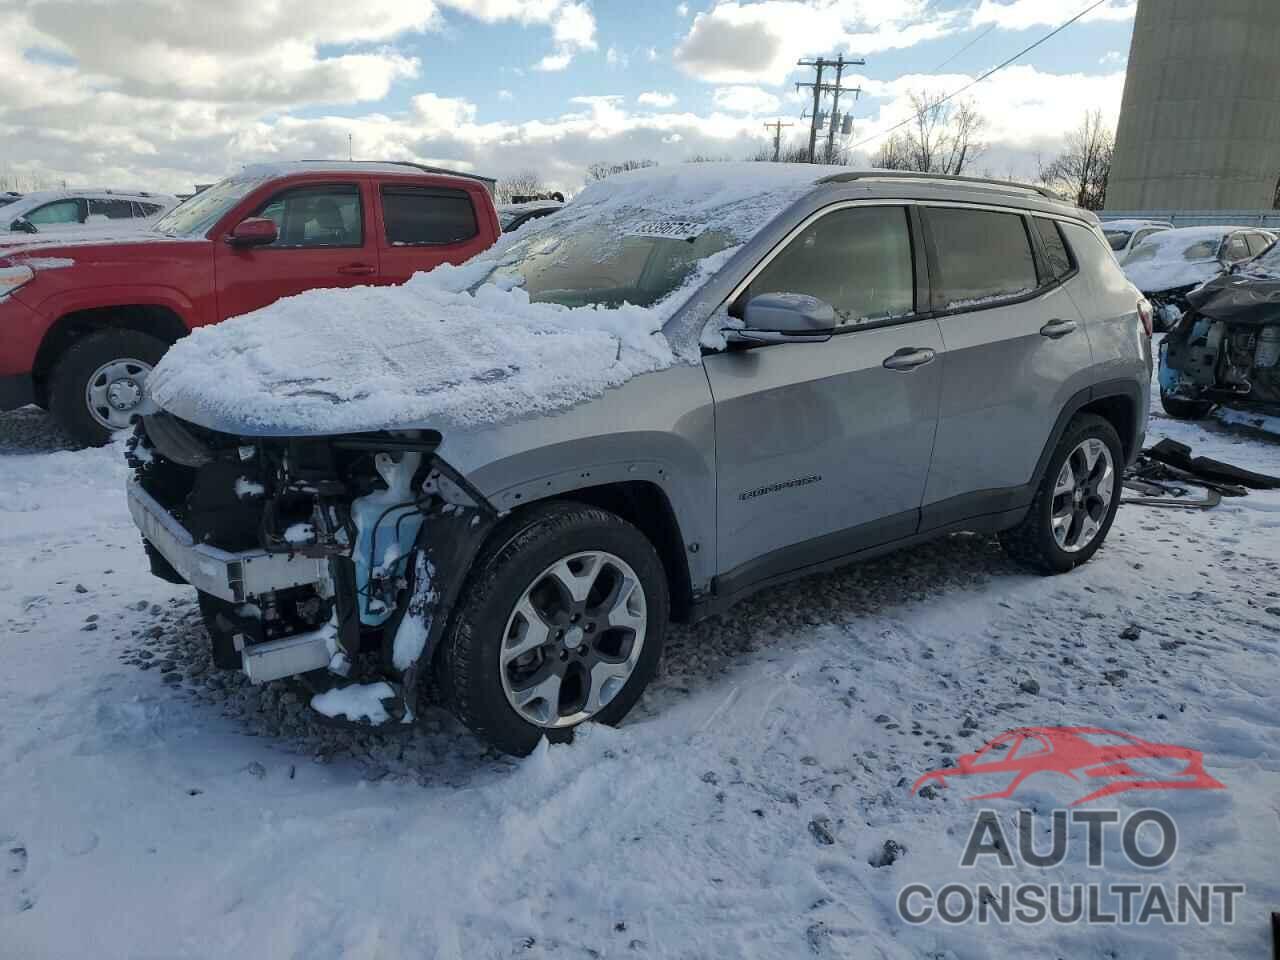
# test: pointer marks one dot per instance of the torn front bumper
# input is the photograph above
(234, 577)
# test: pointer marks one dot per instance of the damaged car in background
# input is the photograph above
(1169, 264)
(501, 480)
(1225, 348)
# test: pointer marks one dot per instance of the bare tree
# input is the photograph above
(795, 153)
(600, 169)
(707, 158)
(942, 137)
(526, 183)
(1082, 169)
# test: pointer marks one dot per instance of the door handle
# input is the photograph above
(1056, 329)
(908, 358)
(357, 269)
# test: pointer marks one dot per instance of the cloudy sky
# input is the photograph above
(166, 93)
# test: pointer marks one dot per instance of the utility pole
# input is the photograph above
(819, 88)
(777, 126)
(348, 146)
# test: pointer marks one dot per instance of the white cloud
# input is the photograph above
(506, 95)
(759, 42)
(553, 62)
(745, 99)
(682, 9)
(616, 58)
(1024, 14)
(1114, 58)
(652, 98)
(651, 54)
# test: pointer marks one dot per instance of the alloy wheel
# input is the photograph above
(1082, 495)
(573, 639)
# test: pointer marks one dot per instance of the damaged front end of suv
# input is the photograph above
(1225, 348)
(313, 556)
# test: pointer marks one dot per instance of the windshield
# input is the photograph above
(1164, 247)
(598, 266)
(194, 217)
(1118, 238)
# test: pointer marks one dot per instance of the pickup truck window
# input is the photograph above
(196, 215)
(320, 216)
(427, 215)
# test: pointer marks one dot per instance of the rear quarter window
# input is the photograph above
(1057, 257)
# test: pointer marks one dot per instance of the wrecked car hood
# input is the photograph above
(425, 352)
(1238, 299)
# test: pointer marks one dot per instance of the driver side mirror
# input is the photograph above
(253, 232)
(784, 318)
(23, 225)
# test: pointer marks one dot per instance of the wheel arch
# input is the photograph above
(152, 319)
(1119, 402)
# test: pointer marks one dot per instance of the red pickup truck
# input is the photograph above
(83, 322)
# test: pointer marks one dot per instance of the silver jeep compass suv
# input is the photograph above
(779, 369)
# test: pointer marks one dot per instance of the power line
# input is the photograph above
(994, 70)
(819, 88)
(965, 48)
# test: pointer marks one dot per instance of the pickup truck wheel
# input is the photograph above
(1181, 409)
(562, 621)
(98, 382)
(1076, 502)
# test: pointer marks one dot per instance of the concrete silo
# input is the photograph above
(1200, 124)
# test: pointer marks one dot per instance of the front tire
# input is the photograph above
(561, 621)
(1076, 501)
(1181, 409)
(99, 382)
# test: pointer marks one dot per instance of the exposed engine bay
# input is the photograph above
(311, 555)
(1226, 347)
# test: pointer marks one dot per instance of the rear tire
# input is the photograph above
(492, 690)
(1062, 530)
(112, 358)
(1181, 409)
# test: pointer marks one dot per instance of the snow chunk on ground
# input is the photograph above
(448, 349)
(360, 701)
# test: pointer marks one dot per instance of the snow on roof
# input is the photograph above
(285, 168)
(1161, 263)
(1131, 225)
(429, 351)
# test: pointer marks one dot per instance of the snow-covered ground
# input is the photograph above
(153, 807)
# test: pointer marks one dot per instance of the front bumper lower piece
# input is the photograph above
(236, 578)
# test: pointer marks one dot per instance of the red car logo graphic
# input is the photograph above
(1117, 761)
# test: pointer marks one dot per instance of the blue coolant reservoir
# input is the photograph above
(387, 524)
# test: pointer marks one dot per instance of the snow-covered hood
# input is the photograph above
(431, 353)
(369, 358)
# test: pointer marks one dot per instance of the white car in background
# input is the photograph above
(83, 211)
(1170, 264)
(1125, 235)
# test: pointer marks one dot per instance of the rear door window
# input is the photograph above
(111, 209)
(857, 259)
(415, 216)
(982, 257)
(1258, 242)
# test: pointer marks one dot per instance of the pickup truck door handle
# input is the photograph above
(908, 358)
(1055, 329)
(358, 269)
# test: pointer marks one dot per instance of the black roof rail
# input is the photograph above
(942, 177)
(489, 182)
